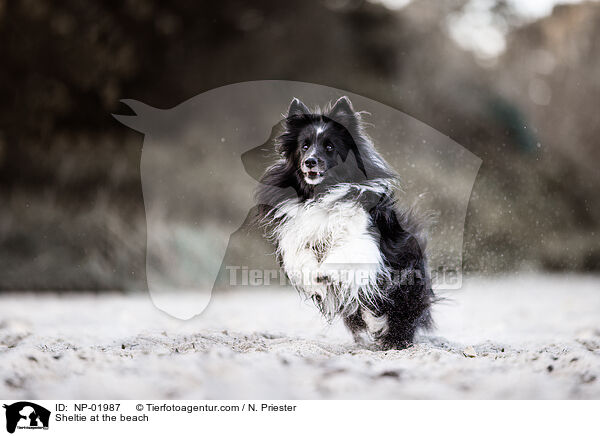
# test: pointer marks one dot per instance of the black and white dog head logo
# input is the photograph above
(26, 415)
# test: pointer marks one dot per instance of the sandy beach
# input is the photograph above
(518, 337)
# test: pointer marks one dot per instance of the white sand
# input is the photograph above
(531, 337)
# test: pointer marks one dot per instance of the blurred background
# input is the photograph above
(516, 83)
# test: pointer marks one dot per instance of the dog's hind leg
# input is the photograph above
(400, 334)
(409, 312)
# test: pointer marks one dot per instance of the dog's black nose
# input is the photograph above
(310, 162)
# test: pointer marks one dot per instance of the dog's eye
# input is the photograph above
(329, 146)
(305, 146)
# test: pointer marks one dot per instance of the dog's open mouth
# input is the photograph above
(313, 177)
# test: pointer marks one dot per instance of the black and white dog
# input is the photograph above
(328, 205)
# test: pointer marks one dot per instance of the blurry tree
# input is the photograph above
(69, 174)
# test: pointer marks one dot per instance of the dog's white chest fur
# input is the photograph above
(330, 249)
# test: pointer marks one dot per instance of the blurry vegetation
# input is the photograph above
(72, 210)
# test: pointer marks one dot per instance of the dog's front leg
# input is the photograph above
(352, 265)
(302, 269)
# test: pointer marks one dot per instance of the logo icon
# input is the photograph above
(26, 415)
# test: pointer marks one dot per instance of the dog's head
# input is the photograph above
(318, 144)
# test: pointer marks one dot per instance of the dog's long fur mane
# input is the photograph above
(282, 181)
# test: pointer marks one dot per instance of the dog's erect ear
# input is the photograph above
(342, 108)
(297, 108)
